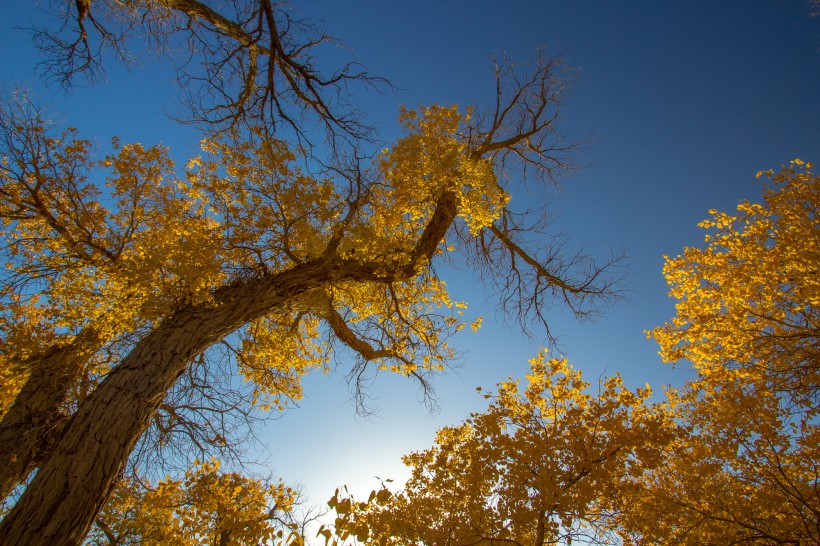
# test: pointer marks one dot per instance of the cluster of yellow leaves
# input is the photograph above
(748, 302)
(430, 160)
(275, 353)
(110, 254)
(743, 467)
(433, 159)
(537, 466)
(271, 213)
(740, 470)
(205, 507)
(114, 245)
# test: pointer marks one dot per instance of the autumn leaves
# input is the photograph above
(729, 457)
(145, 305)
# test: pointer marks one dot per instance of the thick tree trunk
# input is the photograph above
(61, 502)
(70, 487)
(34, 421)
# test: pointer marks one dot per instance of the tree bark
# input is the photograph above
(35, 419)
(61, 502)
(540, 530)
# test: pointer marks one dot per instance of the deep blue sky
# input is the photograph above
(681, 103)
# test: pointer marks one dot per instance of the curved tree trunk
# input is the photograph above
(61, 502)
(70, 487)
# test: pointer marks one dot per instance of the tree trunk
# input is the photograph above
(70, 487)
(540, 530)
(61, 502)
(34, 421)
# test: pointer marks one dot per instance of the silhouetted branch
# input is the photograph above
(249, 64)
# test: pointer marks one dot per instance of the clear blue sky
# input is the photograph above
(682, 102)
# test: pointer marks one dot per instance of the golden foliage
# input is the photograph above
(731, 457)
(748, 302)
(205, 507)
(125, 277)
(540, 465)
(116, 244)
(743, 468)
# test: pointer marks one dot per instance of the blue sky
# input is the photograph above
(681, 103)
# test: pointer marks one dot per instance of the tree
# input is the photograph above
(56, 356)
(739, 471)
(743, 468)
(542, 466)
(122, 274)
(207, 506)
(731, 457)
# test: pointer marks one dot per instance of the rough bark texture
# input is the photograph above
(61, 502)
(35, 420)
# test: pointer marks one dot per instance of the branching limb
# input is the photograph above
(520, 131)
(254, 67)
(367, 353)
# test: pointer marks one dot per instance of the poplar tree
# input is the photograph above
(125, 273)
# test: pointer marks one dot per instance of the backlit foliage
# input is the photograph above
(134, 289)
(206, 507)
(108, 245)
(731, 457)
(743, 468)
(416, 175)
(749, 302)
(112, 245)
(541, 465)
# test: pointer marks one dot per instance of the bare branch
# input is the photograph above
(520, 131)
(254, 67)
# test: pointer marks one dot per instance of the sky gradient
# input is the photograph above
(679, 105)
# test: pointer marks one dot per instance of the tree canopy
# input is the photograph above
(206, 506)
(744, 468)
(130, 281)
(748, 302)
(152, 311)
(544, 465)
(731, 457)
